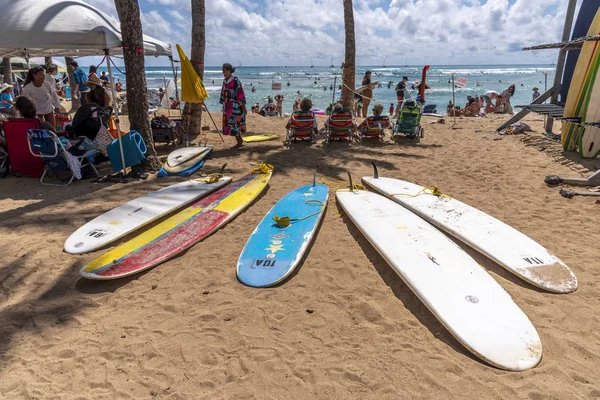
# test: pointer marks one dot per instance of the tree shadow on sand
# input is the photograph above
(37, 310)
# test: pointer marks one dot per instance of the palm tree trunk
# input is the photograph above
(7, 70)
(192, 112)
(75, 103)
(349, 67)
(137, 90)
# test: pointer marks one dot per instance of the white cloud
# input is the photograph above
(287, 32)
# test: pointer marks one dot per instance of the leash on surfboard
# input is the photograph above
(433, 190)
(262, 168)
(214, 177)
(285, 221)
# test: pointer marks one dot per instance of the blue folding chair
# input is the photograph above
(46, 145)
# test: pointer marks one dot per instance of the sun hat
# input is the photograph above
(93, 79)
(535, 88)
(4, 87)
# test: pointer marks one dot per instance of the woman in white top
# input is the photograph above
(42, 94)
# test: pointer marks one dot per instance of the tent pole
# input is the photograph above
(115, 107)
(214, 123)
(174, 78)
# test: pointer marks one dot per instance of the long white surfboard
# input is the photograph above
(474, 308)
(133, 215)
(511, 249)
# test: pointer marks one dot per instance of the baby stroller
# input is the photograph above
(409, 121)
(301, 126)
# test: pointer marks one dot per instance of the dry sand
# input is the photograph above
(343, 327)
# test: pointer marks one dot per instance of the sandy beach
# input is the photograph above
(344, 326)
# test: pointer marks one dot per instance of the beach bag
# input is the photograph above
(82, 146)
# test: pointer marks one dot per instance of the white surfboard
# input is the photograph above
(133, 215)
(502, 243)
(474, 308)
(169, 93)
(181, 159)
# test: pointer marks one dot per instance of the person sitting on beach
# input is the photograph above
(296, 106)
(305, 107)
(255, 107)
(97, 94)
(338, 108)
(269, 109)
(488, 97)
(26, 108)
(449, 107)
(377, 110)
(118, 86)
(471, 110)
(104, 77)
(6, 99)
(279, 99)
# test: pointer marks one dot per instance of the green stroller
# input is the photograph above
(409, 121)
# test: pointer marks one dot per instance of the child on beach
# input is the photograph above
(234, 105)
(391, 109)
(42, 93)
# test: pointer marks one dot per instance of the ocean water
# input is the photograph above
(315, 83)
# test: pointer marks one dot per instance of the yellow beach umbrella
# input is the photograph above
(192, 88)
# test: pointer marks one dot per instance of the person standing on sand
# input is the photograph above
(400, 91)
(42, 94)
(367, 93)
(80, 77)
(536, 94)
(234, 105)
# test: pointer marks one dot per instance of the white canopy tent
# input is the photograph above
(72, 28)
(37, 28)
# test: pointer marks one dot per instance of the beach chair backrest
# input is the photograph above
(340, 120)
(21, 160)
(46, 145)
(302, 120)
(377, 122)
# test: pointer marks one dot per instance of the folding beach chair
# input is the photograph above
(47, 146)
(302, 126)
(22, 161)
(375, 127)
(409, 121)
(340, 125)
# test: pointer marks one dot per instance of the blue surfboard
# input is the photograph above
(273, 252)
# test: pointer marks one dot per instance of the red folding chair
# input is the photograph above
(374, 127)
(340, 125)
(17, 143)
(302, 126)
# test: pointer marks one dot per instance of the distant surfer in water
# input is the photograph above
(234, 105)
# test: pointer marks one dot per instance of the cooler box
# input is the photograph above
(134, 149)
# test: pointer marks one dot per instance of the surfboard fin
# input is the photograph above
(375, 173)
(222, 171)
(350, 179)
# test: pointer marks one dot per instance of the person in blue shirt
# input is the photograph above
(80, 78)
(6, 100)
(104, 77)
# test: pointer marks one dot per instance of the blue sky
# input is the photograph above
(292, 32)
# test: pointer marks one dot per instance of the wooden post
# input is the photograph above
(560, 63)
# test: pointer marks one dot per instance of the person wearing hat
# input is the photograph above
(536, 94)
(6, 100)
(97, 94)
